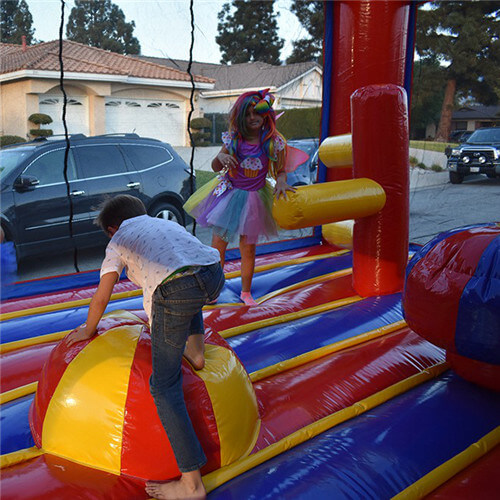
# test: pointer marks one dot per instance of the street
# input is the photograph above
(433, 209)
(447, 206)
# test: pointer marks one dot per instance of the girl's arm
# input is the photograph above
(223, 160)
(281, 186)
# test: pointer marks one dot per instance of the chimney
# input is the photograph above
(23, 41)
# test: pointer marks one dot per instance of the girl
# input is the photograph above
(239, 201)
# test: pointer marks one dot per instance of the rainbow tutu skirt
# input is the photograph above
(233, 212)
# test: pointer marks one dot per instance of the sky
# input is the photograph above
(163, 27)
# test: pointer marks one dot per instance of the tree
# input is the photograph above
(311, 16)
(249, 33)
(16, 21)
(464, 38)
(427, 95)
(101, 23)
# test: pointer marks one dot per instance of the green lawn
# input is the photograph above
(202, 177)
(432, 146)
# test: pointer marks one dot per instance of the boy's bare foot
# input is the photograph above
(188, 486)
(194, 352)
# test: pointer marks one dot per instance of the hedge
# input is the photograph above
(40, 119)
(36, 132)
(6, 140)
(200, 123)
(299, 123)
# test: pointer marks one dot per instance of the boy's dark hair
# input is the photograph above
(114, 211)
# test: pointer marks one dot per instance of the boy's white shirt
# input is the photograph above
(150, 249)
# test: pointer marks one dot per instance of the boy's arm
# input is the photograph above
(97, 307)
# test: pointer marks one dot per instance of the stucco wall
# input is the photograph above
(16, 108)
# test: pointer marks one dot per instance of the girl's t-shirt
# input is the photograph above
(252, 169)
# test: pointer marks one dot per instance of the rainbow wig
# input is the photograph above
(263, 101)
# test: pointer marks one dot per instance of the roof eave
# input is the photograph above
(233, 92)
(132, 80)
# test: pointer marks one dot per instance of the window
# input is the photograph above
(49, 167)
(144, 157)
(51, 100)
(100, 160)
(69, 102)
(10, 159)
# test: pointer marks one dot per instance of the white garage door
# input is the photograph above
(159, 119)
(77, 116)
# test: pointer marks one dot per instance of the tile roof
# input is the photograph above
(79, 58)
(240, 76)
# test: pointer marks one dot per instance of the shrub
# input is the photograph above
(201, 138)
(436, 168)
(36, 132)
(413, 161)
(6, 140)
(422, 165)
(201, 123)
(40, 119)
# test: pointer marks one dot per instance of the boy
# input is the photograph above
(178, 276)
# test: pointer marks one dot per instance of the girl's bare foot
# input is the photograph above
(247, 298)
(194, 352)
(189, 486)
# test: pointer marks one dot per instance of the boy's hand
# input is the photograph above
(78, 335)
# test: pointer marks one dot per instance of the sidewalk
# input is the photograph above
(202, 156)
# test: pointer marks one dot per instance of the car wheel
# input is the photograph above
(168, 212)
(456, 178)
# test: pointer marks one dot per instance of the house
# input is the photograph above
(296, 85)
(472, 117)
(106, 92)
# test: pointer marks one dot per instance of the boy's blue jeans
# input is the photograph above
(176, 314)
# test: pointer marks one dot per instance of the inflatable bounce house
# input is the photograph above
(360, 374)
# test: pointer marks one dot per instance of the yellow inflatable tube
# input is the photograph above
(336, 151)
(328, 202)
(339, 233)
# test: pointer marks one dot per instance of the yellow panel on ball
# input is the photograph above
(84, 424)
(328, 202)
(336, 151)
(233, 401)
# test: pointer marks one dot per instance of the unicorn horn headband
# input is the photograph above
(264, 104)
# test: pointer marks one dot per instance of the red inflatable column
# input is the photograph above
(380, 152)
(368, 46)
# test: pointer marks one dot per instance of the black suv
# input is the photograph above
(480, 154)
(35, 206)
